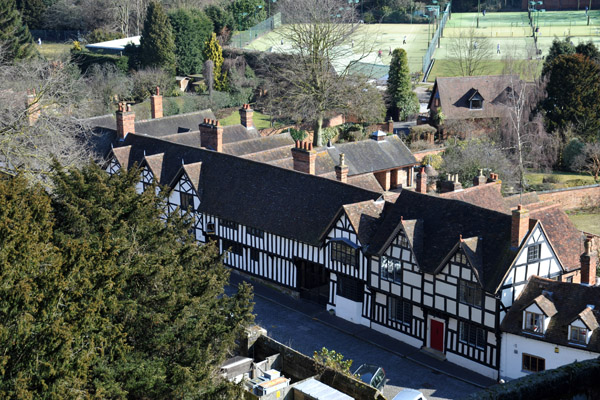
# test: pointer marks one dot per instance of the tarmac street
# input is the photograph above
(307, 327)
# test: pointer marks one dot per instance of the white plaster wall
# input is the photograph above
(397, 335)
(349, 310)
(513, 347)
(472, 365)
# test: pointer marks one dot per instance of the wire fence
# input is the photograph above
(56, 36)
(242, 39)
(435, 39)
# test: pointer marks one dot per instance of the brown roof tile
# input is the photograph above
(486, 196)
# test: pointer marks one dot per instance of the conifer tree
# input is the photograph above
(403, 102)
(32, 12)
(191, 30)
(214, 52)
(15, 39)
(157, 46)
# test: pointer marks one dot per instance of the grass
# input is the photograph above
(261, 121)
(536, 178)
(587, 222)
(54, 51)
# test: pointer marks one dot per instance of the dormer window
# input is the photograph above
(534, 322)
(476, 101)
(578, 335)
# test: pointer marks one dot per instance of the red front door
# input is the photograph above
(437, 335)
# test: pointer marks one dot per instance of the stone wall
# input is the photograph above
(572, 198)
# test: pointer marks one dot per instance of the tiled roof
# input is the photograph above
(545, 304)
(486, 196)
(364, 218)
(284, 202)
(365, 181)
(443, 222)
(259, 145)
(454, 95)
(180, 123)
(571, 301)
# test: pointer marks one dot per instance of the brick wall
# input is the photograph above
(571, 198)
(420, 155)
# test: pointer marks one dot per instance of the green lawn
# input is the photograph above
(535, 178)
(261, 121)
(587, 222)
(54, 51)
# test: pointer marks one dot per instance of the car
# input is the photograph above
(371, 375)
(409, 394)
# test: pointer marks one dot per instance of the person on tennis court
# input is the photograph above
(498, 49)
(404, 40)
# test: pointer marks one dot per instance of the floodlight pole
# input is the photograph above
(588, 12)
(478, 8)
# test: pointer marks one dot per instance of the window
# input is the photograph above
(350, 288)
(533, 363)
(472, 335)
(391, 269)
(229, 224)
(255, 232)
(460, 258)
(400, 311)
(470, 294)
(533, 252)
(343, 252)
(233, 247)
(534, 322)
(569, 279)
(476, 104)
(210, 228)
(187, 201)
(578, 335)
(254, 255)
(403, 241)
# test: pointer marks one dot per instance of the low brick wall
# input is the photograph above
(297, 366)
(571, 198)
(420, 155)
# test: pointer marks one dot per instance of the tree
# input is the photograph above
(191, 30)
(403, 102)
(214, 52)
(573, 89)
(157, 46)
(588, 160)
(40, 106)
(558, 48)
(332, 359)
(247, 13)
(32, 12)
(469, 54)
(221, 18)
(313, 79)
(589, 50)
(15, 39)
(104, 298)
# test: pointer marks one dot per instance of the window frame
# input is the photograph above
(393, 309)
(528, 367)
(530, 327)
(469, 293)
(254, 254)
(534, 252)
(350, 288)
(471, 335)
(581, 331)
(341, 251)
(188, 198)
(396, 274)
(259, 233)
(472, 104)
(225, 223)
(232, 247)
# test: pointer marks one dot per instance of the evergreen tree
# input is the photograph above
(191, 29)
(559, 47)
(589, 50)
(32, 12)
(101, 297)
(15, 38)
(247, 13)
(220, 17)
(403, 102)
(214, 52)
(157, 46)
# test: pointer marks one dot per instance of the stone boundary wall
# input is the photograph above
(572, 198)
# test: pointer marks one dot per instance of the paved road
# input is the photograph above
(289, 323)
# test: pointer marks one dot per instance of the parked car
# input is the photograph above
(371, 375)
(409, 394)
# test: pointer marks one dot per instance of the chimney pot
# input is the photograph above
(304, 160)
(422, 181)
(341, 170)
(125, 120)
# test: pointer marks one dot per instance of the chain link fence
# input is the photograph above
(436, 37)
(242, 39)
(56, 36)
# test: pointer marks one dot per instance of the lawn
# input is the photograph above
(261, 121)
(587, 222)
(54, 51)
(536, 178)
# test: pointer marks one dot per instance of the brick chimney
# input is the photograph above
(493, 178)
(479, 180)
(125, 120)
(519, 226)
(211, 135)
(390, 126)
(452, 184)
(422, 181)
(33, 108)
(304, 157)
(341, 170)
(588, 261)
(246, 114)
(156, 104)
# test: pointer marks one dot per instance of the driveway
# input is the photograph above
(307, 327)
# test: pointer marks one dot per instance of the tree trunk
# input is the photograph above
(318, 135)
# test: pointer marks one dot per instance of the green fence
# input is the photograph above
(434, 41)
(242, 39)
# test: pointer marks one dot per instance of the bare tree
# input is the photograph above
(469, 54)
(323, 42)
(589, 160)
(209, 77)
(40, 103)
